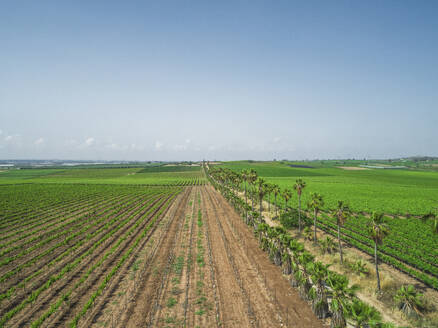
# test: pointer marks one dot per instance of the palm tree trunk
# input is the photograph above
(340, 245)
(338, 320)
(299, 214)
(314, 227)
(246, 204)
(269, 203)
(377, 266)
(261, 207)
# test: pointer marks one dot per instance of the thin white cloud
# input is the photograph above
(9, 138)
(136, 147)
(116, 146)
(39, 141)
(158, 145)
(1, 132)
(71, 142)
(179, 147)
(89, 141)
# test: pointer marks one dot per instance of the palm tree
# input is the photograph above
(434, 218)
(307, 233)
(252, 178)
(341, 213)
(286, 194)
(285, 242)
(269, 188)
(299, 186)
(276, 191)
(341, 294)
(279, 241)
(237, 180)
(262, 229)
(363, 314)
(305, 259)
(327, 245)
(409, 300)
(261, 185)
(245, 178)
(377, 231)
(315, 203)
(319, 274)
(296, 249)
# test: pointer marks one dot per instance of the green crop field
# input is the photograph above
(400, 192)
(157, 175)
(50, 231)
(76, 223)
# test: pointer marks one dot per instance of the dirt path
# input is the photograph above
(268, 298)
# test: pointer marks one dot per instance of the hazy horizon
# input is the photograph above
(171, 81)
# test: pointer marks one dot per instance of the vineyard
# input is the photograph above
(411, 247)
(65, 251)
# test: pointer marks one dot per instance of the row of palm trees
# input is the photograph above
(256, 186)
(328, 292)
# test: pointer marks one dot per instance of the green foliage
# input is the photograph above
(409, 300)
(289, 219)
(359, 267)
(308, 233)
(171, 302)
(400, 191)
(170, 168)
(167, 175)
(363, 314)
(327, 245)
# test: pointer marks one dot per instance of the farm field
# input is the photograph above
(175, 175)
(410, 247)
(119, 255)
(397, 192)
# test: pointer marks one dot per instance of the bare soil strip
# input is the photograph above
(142, 310)
(273, 301)
(202, 310)
(172, 306)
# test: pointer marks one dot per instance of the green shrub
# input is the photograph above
(289, 219)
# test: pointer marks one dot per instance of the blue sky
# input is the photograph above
(187, 80)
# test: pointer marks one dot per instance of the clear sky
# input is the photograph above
(187, 80)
